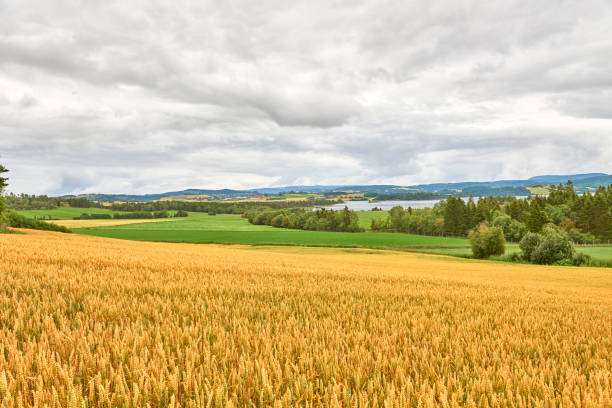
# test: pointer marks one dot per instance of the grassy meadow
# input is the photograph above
(232, 229)
(366, 217)
(65, 213)
(87, 321)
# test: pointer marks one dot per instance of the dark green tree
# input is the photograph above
(454, 216)
(600, 217)
(470, 213)
(3, 184)
(537, 218)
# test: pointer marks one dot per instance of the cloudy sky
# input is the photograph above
(151, 96)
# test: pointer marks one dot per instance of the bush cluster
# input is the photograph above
(551, 247)
(487, 241)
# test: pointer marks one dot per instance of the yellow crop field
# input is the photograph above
(94, 322)
(107, 223)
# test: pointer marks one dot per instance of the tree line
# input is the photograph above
(43, 202)
(132, 215)
(586, 218)
(217, 207)
(319, 220)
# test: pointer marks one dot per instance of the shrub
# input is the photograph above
(581, 259)
(529, 243)
(564, 262)
(487, 241)
(514, 257)
(554, 247)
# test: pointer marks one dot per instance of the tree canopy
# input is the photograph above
(3, 184)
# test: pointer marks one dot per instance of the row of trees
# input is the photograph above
(3, 184)
(44, 202)
(216, 207)
(319, 220)
(132, 215)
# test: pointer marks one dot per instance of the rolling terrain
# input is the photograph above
(232, 229)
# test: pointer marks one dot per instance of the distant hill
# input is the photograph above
(565, 178)
(582, 183)
(217, 194)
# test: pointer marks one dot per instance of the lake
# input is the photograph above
(387, 205)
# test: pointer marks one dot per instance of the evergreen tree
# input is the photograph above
(537, 218)
(600, 218)
(3, 184)
(454, 216)
(584, 210)
(470, 212)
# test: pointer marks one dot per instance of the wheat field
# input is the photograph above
(108, 223)
(95, 322)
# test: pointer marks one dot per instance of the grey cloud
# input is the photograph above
(594, 104)
(146, 96)
(27, 101)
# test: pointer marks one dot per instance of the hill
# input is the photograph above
(582, 182)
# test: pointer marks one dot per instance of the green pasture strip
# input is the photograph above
(65, 213)
(231, 229)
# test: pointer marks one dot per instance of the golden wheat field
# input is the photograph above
(107, 223)
(93, 322)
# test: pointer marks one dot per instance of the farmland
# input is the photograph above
(231, 229)
(87, 321)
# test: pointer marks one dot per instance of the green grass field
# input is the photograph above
(366, 217)
(65, 213)
(231, 229)
(601, 253)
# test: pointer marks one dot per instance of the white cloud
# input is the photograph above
(150, 96)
